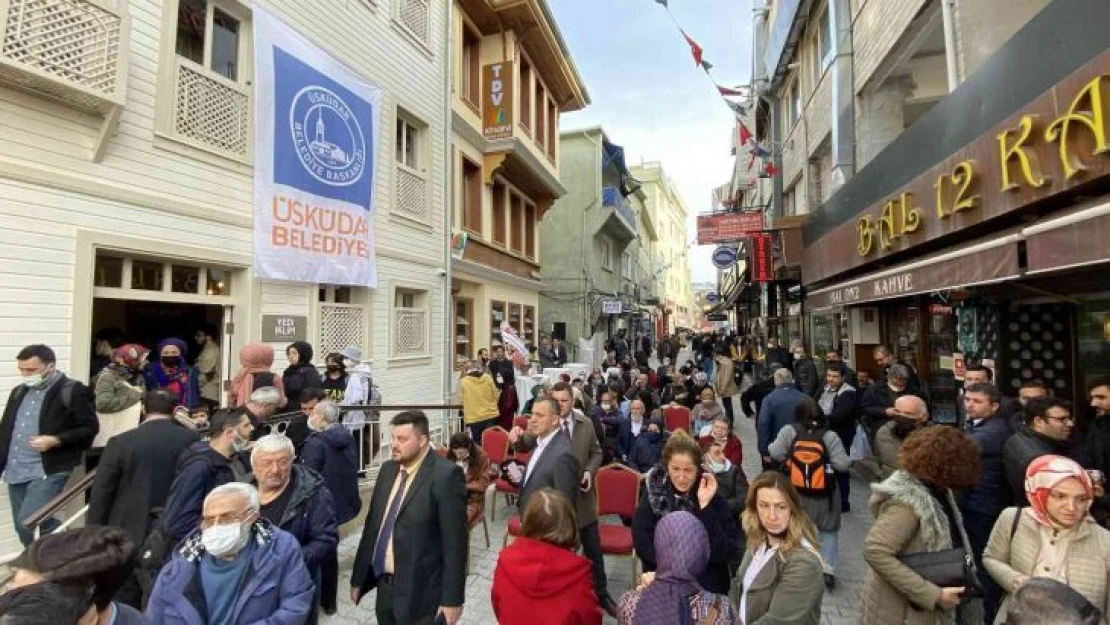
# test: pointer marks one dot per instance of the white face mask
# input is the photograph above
(238, 444)
(224, 540)
(34, 380)
(606, 406)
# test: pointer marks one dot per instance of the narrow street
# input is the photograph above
(840, 607)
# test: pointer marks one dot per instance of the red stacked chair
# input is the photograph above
(676, 418)
(495, 442)
(618, 492)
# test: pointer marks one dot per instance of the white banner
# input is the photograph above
(315, 130)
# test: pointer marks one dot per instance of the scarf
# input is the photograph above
(682, 553)
(176, 379)
(662, 496)
(1043, 474)
(130, 355)
(253, 358)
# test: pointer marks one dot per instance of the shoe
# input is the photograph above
(609, 606)
(830, 581)
(846, 507)
(330, 610)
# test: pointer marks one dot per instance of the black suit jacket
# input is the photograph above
(430, 539)
(135, 474)
(557, 467)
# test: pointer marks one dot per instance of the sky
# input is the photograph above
(651, 98)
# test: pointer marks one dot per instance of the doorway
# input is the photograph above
(148, 322)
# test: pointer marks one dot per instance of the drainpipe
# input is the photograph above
(950, 45)
(448, 212)
(842, 93)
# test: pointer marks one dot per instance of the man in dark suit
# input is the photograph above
(414, 543)
(135, 473)
(584, 444)
(558, 352)
(553, 464)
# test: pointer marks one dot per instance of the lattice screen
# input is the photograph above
(211, 112)
(72, 39)
(413, 15)
(410, 332)
(412, 194)
(341, 325)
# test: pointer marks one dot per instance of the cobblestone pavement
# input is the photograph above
(840, 607)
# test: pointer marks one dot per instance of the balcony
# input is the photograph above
(73, 51)
(620, 220)
(211, 112)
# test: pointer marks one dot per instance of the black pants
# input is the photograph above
(383, 606)
(329, 581)
(978, 527)
(727, 401)
(591, 548)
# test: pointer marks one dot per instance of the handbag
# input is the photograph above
(948, 568)
(113, 423)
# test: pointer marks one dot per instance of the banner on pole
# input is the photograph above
(727, 227)
(762, 259)
(315, 130)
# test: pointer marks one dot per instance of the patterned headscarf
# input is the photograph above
(1043, 474)
(176, 342)
(131, 355)
(681, 553)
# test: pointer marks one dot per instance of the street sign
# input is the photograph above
(724, 257)
(717, 317)
(726, 227)
(712, 297)
(611, 307)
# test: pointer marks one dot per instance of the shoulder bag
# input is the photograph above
(948, 568)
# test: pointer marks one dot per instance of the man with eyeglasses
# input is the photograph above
(1047, 431)
(294, 498)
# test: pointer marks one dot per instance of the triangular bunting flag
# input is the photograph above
(662, 2)
(695, 49)
(758, 150)
(706, 65)
(736, 108)
(770, 169)
(726, 91)
(745, 134)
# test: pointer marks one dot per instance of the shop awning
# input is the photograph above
(1079, 238)
(977, 263)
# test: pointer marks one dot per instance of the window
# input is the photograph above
(410, 323)
(411, 185)
(605, 251)
(500, 213)
(552, 127)
(541, 115)
(472, 196)
(516, 223)
(626, 265)
(525, 94)
(825, 37)
(342, 317)
(209, 106)
(412, 15)
(471, 67)
(530, 231)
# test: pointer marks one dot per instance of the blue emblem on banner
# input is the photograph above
(323, 139)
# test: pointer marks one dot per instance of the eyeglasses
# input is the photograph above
(222, 519)
(1067, 419)
(276, 463)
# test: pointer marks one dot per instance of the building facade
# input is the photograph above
(663, 199)
(126, 167)
(965, 228)
(508, 92)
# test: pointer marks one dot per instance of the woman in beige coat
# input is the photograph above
(780, 577)
(1054, 537)
(915, 512)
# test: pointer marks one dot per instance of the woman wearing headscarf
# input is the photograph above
(673, 596)
(780, 576)
(1054, 537)
(681, 484)
(172, 372)
(120, 385)
(300, 376)
(255, 361)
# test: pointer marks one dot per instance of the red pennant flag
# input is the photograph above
(745, 134)
(770, 169)
(695, 49)
(729, 92)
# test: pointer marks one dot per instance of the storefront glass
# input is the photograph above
(942, 346)
(1094, 340)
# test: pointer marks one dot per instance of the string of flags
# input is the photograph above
(755, 149)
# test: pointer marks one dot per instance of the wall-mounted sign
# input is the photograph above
(712, 297)
(458, 244)
(724, 257)
(497, 101)
(717, 317)
(1052, 145)
(762, 258)
(284, 328)
(727, 227)
(612, 307)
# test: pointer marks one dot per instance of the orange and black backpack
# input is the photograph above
(807, 464)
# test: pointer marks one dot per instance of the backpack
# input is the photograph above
(807, 464)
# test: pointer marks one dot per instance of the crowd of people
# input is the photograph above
(998, 519)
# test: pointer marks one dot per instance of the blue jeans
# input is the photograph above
(28, 497)
(829, 550)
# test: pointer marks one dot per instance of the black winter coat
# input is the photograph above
(657, 498)
(646, 449)
(201, 470)
(1021, 449)
(296, 380)
(333, 453)
(310, 516)
(805, 376)
(751, 400)
(992, 494)
(74, 424)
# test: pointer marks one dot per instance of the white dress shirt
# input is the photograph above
(541, 444)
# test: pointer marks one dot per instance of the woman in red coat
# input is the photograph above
(539, 580)
(720, 432)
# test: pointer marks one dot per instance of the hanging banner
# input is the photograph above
(497, 101)
(315, 125)
(727, 227)
(762, 261)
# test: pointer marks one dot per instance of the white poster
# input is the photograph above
(314, 150)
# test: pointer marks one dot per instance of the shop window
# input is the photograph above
(1094, 340)
(496, 316)
(464, 321)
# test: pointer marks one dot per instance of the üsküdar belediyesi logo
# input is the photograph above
(327, 136)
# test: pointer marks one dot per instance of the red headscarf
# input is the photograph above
(130, 355)
(1043, 474)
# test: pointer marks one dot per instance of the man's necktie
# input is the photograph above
(566, 427)
(387, 525)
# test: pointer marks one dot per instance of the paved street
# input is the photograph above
(840, 607)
